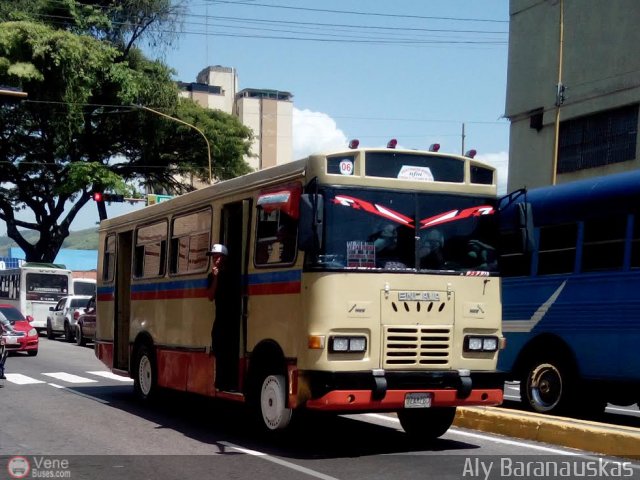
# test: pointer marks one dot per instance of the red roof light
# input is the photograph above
(392, 143)
(434, 147)
(354, 143)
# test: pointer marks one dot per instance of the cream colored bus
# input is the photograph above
(357, 281)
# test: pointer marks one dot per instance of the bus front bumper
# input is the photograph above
(381, 390)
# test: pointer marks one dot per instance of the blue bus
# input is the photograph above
(571, 306)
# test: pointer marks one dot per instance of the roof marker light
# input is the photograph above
(354, 143)
(470, 153)
(392, 143)
(434, 147)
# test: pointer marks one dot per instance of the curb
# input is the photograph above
(610, 440)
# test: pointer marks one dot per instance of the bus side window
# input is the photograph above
(109, 258)
(603, 244)
(190, 242)
(150, 251)
(557, 252)
(276, 238)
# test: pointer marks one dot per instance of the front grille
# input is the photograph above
(412, 346)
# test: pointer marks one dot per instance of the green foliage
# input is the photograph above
(80, 129)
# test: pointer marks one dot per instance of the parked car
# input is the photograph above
(63, 317)
(25, 337)
(86, 324)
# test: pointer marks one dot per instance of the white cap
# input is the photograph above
(218, 248)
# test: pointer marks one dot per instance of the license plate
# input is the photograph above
(11, 340)
(417, 400)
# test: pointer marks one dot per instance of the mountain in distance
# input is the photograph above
(79, 240)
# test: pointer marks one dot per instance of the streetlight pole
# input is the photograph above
(188, 125)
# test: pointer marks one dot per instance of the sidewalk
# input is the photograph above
(610, 440)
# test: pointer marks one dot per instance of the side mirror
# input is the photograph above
(311, 222)
(51, 309)
(525, 227)
(29, 318)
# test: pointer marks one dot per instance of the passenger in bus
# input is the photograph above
(219, 254)
(223, 288)
(385, 241)
(430, 249)
(481, 256)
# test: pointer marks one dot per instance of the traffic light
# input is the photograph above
(107, 197)
(112, 197)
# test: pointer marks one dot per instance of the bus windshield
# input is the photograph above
(430, 232)
(46, 286)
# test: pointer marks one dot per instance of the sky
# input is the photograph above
(414, 70)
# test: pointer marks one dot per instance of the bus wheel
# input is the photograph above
(273, 402)
(427, 423)
(144, 380)
(546, 388)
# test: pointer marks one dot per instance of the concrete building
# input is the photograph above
(600, 73)
(269, 113)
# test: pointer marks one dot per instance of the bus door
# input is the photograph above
(229, 330)
(122, 302)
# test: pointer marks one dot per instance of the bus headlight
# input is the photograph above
(347, 344)
(477, 343)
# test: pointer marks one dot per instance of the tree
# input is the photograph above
(80, 129)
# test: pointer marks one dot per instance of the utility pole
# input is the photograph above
(559, 98)
(463, 135)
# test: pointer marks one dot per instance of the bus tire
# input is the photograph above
(426, 423)
(271, 402)
(547, 386)
(145, 373)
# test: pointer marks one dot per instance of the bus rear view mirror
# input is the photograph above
(310, 225)
(525, 225)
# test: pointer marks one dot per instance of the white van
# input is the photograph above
(83, 286)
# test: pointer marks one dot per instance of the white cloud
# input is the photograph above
(501, 162)
(315, 132)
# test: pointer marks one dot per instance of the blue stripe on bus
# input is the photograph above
(275, 277)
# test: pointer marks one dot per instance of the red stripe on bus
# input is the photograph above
(274, 288)
(169, 294)
(105, 297)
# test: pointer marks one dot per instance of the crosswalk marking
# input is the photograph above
(20, 379)
(70, 378)
(111, 376)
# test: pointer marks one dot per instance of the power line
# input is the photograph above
(351, 12)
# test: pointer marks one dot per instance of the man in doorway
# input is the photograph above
(225, 331)
(219, 255)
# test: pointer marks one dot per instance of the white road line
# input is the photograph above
(56, 385)
(20, 379)
(279, 461)
(111, 376)
(455, 431)
(68, 377)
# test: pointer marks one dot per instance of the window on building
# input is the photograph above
(600, 139)
(603, 244)
(557, 251)
(190, 239)
(151, 250)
